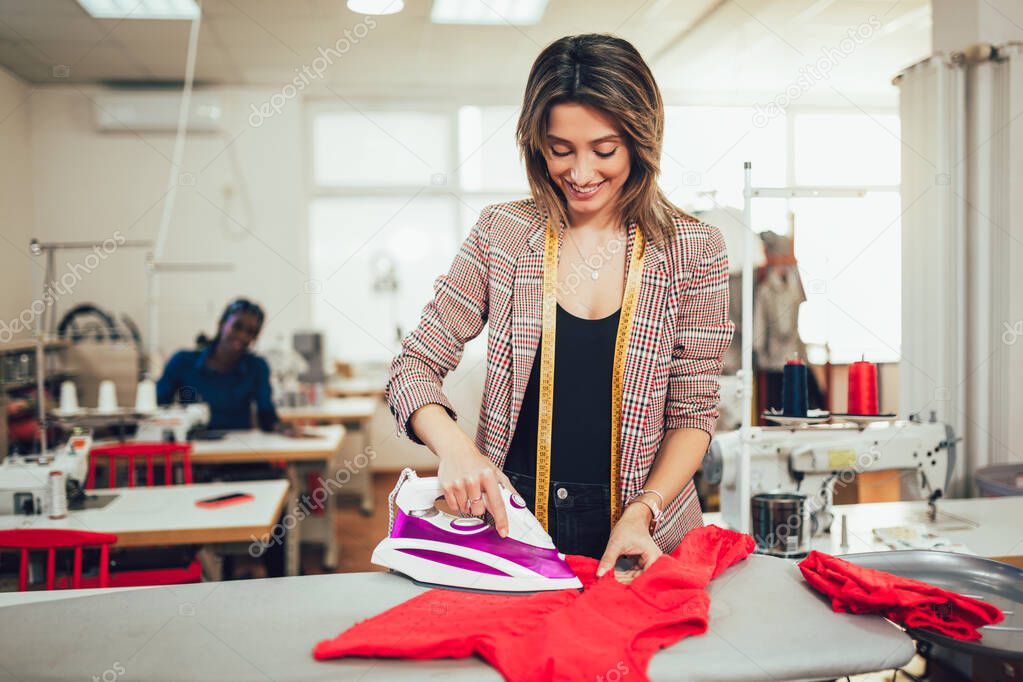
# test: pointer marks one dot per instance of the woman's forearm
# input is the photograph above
(677, 460)
(434, 426)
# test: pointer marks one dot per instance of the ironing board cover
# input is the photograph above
(608, 629)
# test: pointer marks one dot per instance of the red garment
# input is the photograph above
(609, 628)
(912, 603)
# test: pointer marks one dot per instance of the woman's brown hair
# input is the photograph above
(608, 74)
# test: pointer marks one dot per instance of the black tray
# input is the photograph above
(991, 581)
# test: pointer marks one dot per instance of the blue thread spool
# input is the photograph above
(793, 389)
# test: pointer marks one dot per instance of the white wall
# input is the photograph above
(241, 200)
(247, 206)
(16, 207)
(958, 24)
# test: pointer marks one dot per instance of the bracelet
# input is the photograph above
(656, 512)
(650, 490)
(653, 511)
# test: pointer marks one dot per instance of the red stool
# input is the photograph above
(52, 539)
(134, 451)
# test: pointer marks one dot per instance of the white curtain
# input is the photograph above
(932, 234)
(994, 209)
(962, 300)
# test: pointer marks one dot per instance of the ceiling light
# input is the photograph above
(376, 6)
(517, 12)
(141, 9)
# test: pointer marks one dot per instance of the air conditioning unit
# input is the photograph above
(156, 111)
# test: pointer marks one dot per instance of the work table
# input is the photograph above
(987, 526)
(765, 623)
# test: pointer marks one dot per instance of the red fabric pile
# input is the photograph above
(610, 629)
(912, 603)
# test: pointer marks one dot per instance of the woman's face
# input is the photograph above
(239, 331)
(587, 158)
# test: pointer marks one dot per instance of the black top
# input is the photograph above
(581, 430)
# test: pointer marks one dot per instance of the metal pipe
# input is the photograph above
(743, 473)
(819, 192)
(961, 254)
(153, 282)
(192, 267)
(37, 247)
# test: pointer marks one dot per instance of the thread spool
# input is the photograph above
(68, 397)
(862, 397)
(145, 397)
(106, 402)
(58, 495)
(793, 388)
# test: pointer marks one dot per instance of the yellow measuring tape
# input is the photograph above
(545, 420)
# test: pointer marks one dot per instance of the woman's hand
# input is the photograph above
(471, 484)
(470, 481)
(287, 429)
(630, 537)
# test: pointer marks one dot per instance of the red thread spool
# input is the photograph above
(862, 388)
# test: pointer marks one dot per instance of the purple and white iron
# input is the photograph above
(431, 546)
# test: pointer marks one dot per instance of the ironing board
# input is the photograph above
(766, 623)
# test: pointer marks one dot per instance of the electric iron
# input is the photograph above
(431, 546)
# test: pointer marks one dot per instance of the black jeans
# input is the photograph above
(578, 514)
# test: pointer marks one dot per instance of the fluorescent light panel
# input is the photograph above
(376, 6)
(141, 9)
(518, 12)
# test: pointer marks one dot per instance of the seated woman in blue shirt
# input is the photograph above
(223, 373)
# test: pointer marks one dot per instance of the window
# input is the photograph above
(396, 190)
(375, 259)
(394, 194)
(704, 151)
(488, 156)
(846, 149)
(849, 249)
(380, 148)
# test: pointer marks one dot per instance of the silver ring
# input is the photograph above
(478, 499)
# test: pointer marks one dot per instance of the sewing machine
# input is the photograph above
(173, 422)
(310, 346)
(814, 459)
(24, 479)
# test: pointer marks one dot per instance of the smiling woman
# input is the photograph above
(600, 393)
(591, 99)
(602, 163)
(224, 373)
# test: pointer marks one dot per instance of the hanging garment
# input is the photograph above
(562, 635)
(914, 604)
(731, 361)
(777, 296)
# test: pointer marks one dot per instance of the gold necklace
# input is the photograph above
(594, 274)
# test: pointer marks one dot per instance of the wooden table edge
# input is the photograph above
(204, 536)
(1016, 561)
(265, 456)
(325, 418)
(256, 454)
(192, 536)
(342, 393)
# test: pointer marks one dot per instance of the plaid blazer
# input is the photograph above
(680, 331)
